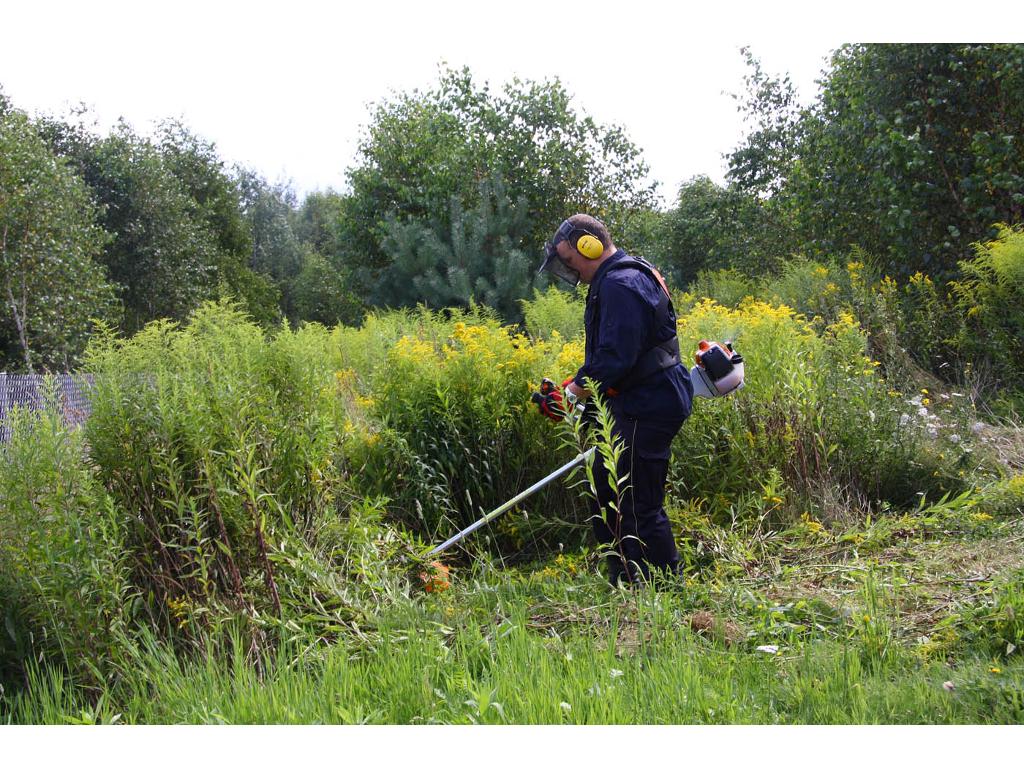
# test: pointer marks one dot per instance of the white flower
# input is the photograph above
(954, 439)
(616, 673)
(772, 649)
(566, 706)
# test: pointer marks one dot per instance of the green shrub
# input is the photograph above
(227, 446)
(1004, 498)
(727, 287)
(455, 417)
(814, 412)
(552, 311)
(64, 569)
(990, 298)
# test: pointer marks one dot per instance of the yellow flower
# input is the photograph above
(995, 670)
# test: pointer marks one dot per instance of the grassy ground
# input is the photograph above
(892, 622)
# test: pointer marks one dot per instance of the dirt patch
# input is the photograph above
(707, 624)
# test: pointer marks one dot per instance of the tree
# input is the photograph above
(421, 149)
(323, 294)
(163, 259)
(318, 223)
(275, 249)
(715, 227)
(765, 160)
(219, 205)
(911, 152)
(52, 285)
(479, 258)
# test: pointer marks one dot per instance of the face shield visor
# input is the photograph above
(553, 262)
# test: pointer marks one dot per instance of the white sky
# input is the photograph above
(284, 87)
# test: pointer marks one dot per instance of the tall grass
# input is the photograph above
(65, 590)
(503, 660)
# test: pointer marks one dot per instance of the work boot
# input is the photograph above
(617, 575)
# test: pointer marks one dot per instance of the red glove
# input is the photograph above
(549, 400)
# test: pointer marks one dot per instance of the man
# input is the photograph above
(632, 353)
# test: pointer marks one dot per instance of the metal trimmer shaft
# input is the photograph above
(510, 503)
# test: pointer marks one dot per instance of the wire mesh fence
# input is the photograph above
(70, 392)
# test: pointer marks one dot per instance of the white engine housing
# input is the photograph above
(703, 386)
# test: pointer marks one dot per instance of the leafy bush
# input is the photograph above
(226, 445)
(725, 286)
(814, 412)
(990, 297)
(455, 413)
(1004, 498)
(64, 570)
(554, 311)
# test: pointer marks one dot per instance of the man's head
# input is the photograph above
(579, 247)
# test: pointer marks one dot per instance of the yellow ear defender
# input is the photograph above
(589, 247)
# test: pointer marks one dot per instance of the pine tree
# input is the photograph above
(479, 258)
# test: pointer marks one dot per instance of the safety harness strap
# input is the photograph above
(662, 355)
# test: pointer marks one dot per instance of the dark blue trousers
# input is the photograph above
(637, 535)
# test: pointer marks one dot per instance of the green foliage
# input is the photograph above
(480, 257)
(51, 284)
(990, 297)
(554, 311)
(222, 205)
(421, 149)
(593, 658)
(318, 223)
(713, 227)
(458, 434)
(996, 622)
(814, 412)
(725, 286)
(323, 294)
(64, 570)
(226, 446)
(275, 249)
(177, 228)
(1004, 498)
(162, 258)
(911, 152)
(230, 533)
(763, 163)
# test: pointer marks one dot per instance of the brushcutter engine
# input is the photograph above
(718, 372)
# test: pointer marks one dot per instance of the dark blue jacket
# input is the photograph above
(621, 322)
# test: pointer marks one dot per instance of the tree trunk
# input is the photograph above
(19, 320)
